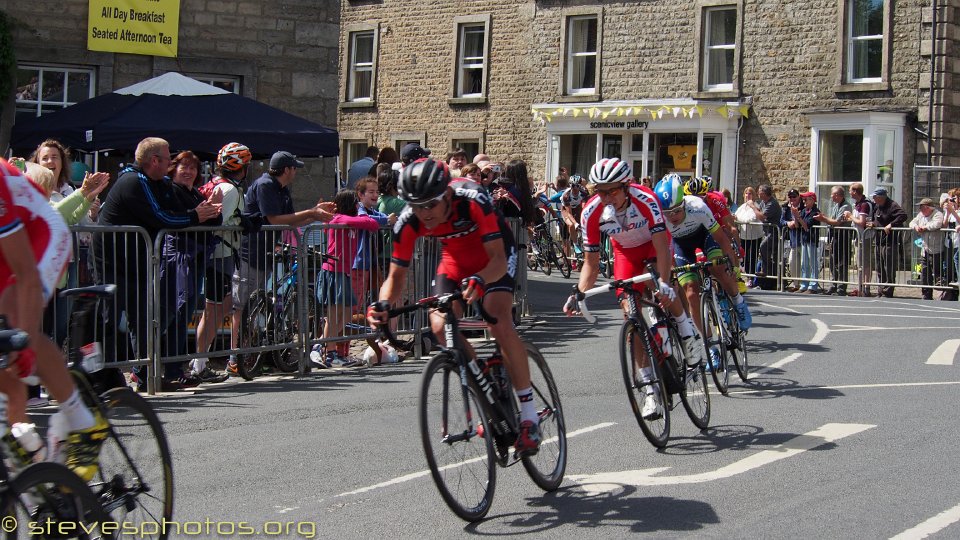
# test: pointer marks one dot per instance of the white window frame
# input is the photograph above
(38, 104)
(853, 41)
(570, 55)
(465, 63)
(214, 79)
(354, 67)
(709, 47)
(873, 125)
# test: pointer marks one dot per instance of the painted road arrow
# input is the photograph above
(613, 481)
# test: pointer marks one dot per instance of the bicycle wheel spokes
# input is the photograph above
(640, 383)
(716, 346)
(738, 348)
(50, 497)
(695, 395)
(135, 481)
(546, 467)
(456, 440)
(255, 333)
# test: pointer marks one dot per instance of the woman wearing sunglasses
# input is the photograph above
(478, 253)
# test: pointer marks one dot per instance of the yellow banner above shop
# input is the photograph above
(149, 27)
(655, 112)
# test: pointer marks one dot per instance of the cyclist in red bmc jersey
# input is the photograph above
(478, 254)
(35, 248)
(630, 215)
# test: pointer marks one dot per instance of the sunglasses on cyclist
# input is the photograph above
(674, 211)
(608, 192)
(429, 205)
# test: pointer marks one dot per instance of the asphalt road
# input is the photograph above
(848, 430)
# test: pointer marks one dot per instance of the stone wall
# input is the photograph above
(789, 49)
(285, 51)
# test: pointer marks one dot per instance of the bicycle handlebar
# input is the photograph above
(693, 267)
(651, 276)
(442, 302)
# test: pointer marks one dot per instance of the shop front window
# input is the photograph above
(578, 153)
(675, 153)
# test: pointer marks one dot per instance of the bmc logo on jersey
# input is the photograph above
(478, 196)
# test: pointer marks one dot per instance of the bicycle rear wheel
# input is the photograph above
(713, 340)
(559, 259)
(546, 467)
(47, 500)
(694, 394)
(738, 348)
(656, 428)
(545, 256)
(257, 322)
(288, 331)
(135, 480)
(456, 439)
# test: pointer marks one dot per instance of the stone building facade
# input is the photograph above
(805, 94)
(281, 52)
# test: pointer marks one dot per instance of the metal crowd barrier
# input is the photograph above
(847, 258)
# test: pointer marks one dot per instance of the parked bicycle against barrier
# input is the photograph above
(544, 252)
(134, 483)
(42, 496)
(722, 335)
(470, 416)
(648, 328)
(270, 319)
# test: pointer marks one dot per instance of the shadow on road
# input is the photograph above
(623, 509)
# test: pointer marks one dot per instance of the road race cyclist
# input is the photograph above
(478, 252)
(700, 186)
(571, 207)
(693, 227)
(630, 215)
(35, 246)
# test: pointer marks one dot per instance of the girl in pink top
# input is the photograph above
(334, 289)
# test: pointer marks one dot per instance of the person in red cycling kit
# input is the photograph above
(478, 254)
(35, 248)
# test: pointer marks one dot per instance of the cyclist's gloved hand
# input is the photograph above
(377, 312)
(571, 307)
(667, 291)
(473, 288)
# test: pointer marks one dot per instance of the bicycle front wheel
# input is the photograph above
(457, 440)
(254, 333)
(656, 425)
(738, 347)
(288, 331)
(546, 467)
(135, 480)
(559, 259)
(694, 394)
(47, 500)
(713, 340)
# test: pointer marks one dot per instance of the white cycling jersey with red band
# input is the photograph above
(630, 228)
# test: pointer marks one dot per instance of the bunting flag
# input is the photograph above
(603, 112)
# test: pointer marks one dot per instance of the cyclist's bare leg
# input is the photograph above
(639, 354)
(692, 292)
(436, 324)
(213, 315)
(499, 305)
(16, 392)
(726, 279)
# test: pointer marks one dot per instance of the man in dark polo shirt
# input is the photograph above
(268, 198)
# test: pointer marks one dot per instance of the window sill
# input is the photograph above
(579, 98)
(480, 100)
(717, 94)
(862, 87)
(358, 104)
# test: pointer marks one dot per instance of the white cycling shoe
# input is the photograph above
(651, 407)
(693, 349)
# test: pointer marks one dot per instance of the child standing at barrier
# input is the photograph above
(334, 287)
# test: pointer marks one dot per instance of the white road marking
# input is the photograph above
(846, 387)
(780, 363)
(945, 353)
(612, 481)
(822, 331)
(931, 526)
(927, 317)
(421, 474)
(855, 328)
(784, 308)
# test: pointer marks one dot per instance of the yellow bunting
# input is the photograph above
(744, 111)
(619, 111)
(723, 111)
(629, 111)
(653, 113)
(576, 113)
(699, 110)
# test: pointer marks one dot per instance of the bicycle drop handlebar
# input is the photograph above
(443, 303)
(651, 276)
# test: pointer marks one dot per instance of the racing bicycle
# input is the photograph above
(545, 252)
(648, 328)
(470, 416)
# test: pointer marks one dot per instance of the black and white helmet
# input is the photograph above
(610, 171)
(423, 180)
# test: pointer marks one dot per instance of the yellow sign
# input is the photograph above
(148, 27)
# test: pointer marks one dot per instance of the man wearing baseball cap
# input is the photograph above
(927, 224)
(412, 152)
(887, 214)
